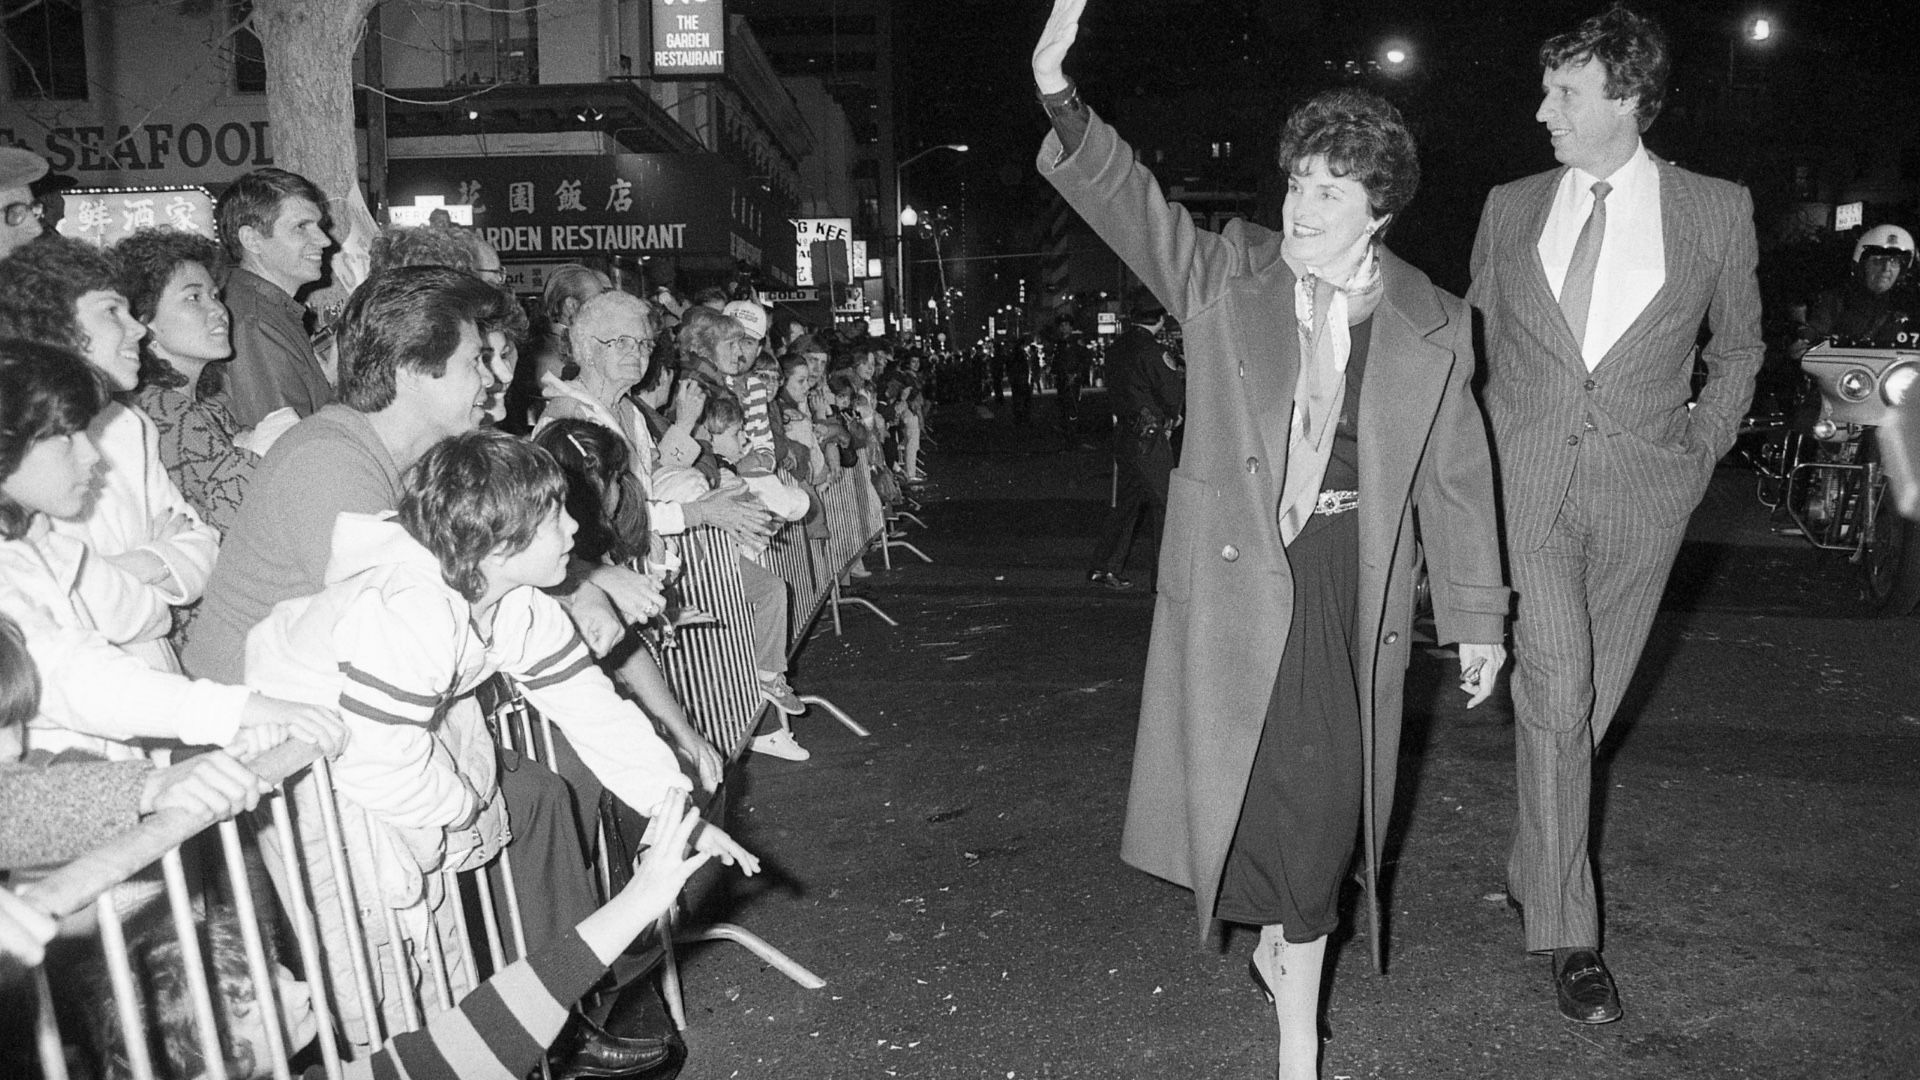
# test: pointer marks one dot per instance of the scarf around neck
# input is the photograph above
(1322, 313)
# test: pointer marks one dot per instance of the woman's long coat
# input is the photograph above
(1226, 589)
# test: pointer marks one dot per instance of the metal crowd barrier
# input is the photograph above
(392, 975)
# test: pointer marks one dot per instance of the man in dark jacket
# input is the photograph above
(1147, 392)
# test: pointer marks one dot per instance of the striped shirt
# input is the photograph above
(501, 1030)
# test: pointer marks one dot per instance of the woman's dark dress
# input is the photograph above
(1301, 814)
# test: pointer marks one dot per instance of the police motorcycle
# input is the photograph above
(1824, 462)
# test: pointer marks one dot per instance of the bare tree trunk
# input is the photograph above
(309, 47)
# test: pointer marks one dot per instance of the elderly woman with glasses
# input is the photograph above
(612, 341)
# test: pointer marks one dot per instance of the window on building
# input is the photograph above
(46, 53)
(249, 57)
(493, 43)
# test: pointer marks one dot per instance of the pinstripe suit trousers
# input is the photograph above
(1587, 598)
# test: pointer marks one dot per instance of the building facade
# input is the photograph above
(649, 139)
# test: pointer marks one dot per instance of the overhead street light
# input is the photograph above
(1759, 29)
(900, 235)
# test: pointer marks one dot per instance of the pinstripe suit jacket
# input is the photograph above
(1626, 423)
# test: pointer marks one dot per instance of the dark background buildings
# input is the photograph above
(1825, 112)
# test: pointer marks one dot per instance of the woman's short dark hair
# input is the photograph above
(477, 493)
(1629, 46)
(19, 677)
(255, 199)
(1363, 138)
(409, 319)
(45, 392)
(593, 458)
(41, 284)
(148, 260)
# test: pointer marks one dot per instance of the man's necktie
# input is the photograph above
(1577, 294)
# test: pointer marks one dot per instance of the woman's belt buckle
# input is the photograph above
(1336, 502)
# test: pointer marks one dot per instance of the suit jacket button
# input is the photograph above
(1253, 464)
(1573, 440)
(1230, 553)
(1591, 385)
(1393, 636)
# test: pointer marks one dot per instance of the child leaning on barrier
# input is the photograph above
(500, 1029)
(419, 609)
(594, 460)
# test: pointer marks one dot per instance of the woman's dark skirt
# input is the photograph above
(1301, 815)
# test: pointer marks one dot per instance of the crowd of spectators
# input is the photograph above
(216, 536)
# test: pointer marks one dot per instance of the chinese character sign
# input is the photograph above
(689, 37)
(559, 207)
(106, 216)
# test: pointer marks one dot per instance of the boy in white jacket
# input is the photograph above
(419, 609)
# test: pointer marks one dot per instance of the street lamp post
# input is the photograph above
(901, 210)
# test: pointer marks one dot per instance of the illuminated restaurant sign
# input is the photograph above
(689, 37)
(565, 205)
(105, 216)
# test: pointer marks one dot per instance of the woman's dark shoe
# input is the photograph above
(1259, 980)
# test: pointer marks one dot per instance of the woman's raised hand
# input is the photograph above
(1050, 55)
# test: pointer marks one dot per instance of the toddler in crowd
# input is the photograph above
(726, 432)
(766, 592)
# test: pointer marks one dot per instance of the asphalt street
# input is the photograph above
(955, 879)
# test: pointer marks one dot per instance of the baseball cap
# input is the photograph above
(750, 315)
(20, 167)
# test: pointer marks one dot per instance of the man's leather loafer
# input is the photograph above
(602, 1054)
(1585, 989)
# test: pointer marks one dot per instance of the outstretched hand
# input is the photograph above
(1050, 55)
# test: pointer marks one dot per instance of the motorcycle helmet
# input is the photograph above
(1885, 240)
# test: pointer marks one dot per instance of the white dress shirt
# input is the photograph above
(1633, 254)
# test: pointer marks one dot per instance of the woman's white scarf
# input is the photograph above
(1321, 312)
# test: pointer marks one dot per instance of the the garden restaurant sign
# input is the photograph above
(552, 207)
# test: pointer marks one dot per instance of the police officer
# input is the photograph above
(1867, 310)
(1146, 389)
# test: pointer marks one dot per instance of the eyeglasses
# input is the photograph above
(497, 274)
(1867, 254)
(18, 213)
(626, 341)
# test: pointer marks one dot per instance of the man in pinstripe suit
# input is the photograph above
(1595, 281)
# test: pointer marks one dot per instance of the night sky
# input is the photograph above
(1839, 76)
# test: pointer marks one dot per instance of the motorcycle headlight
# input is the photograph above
(1897, 386)
(1855, 384)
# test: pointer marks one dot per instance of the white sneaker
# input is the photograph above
(780, 744)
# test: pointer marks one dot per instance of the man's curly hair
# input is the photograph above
(1632, 49)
